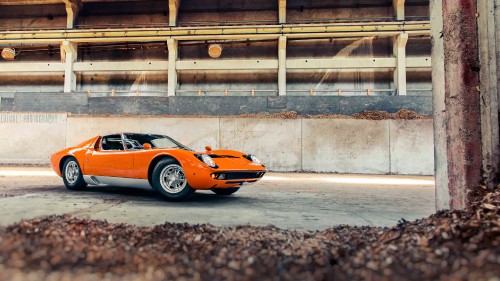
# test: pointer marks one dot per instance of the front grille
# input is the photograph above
(238, 175)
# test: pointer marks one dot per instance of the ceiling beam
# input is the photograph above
(17, 38)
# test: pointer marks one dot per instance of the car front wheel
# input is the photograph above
(170, 181)
(72, 175)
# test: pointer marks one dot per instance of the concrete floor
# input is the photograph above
(297, 201)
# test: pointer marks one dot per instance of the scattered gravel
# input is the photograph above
(369, 115)
(458, 245)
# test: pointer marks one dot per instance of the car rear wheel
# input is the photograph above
(170, 181)
(72, 175)
(225, 191)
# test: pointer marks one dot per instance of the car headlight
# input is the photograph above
(254, 159)
(208, 160)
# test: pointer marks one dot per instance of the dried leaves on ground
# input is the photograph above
(458, 245)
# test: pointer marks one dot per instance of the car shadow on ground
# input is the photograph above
(139, 194)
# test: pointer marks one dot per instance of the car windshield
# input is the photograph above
(136, 141)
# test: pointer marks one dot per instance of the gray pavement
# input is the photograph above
(297, 201)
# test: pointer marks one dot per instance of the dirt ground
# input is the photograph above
(459, 245)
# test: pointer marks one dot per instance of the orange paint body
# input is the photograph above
(139, 163)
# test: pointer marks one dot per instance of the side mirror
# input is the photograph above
(208, 148)
(147, 146)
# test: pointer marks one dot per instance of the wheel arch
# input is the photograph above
(63, 159)
(155, 161)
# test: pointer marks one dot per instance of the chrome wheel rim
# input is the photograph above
(72, 172)
(172, 179)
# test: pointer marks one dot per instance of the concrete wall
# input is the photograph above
(314, 145)
(31, 138)
(194, 105)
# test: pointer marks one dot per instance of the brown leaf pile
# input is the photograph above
(402, 114)
(458, 245)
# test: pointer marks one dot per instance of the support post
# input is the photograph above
(439, 108)
(399, 9)
(282, 11)
(172, 69)
(69, 51)
(456, 101)
(489, 90)
(173, 11)
(72, 9)
(400, 72)
(282, 66)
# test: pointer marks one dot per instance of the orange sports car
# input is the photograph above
(154, 161)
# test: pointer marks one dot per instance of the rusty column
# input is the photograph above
(456, 103)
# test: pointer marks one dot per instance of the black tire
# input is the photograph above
(170, 182)
(225, 191)
(72, 175)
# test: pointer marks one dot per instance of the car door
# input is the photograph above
(110, 158)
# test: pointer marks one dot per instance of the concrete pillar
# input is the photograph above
(282, 66)
(72, 9)
(399, 9)
(400, 54)
(69, 51)
(173, 49)
(489, 89)
(173, 8)
(282, 11)
(458, 118)
(439, 108)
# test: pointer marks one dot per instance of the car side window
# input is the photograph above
(112, 142)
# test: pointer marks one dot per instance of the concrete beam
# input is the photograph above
(30, 67)
(252, 64)
(111, 66)
(489, 90)
(400, 72)
(458, 129)
(16, 38)
(418, 62)
(70, 55)
(72, 9)
(173, 9)
(282, 11)
(399, 9)
(28, 2)
(173, 50)
(341, 63)
(282, 66)
(183, 65)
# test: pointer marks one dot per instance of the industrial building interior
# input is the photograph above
(348, 47)
(377, 121)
